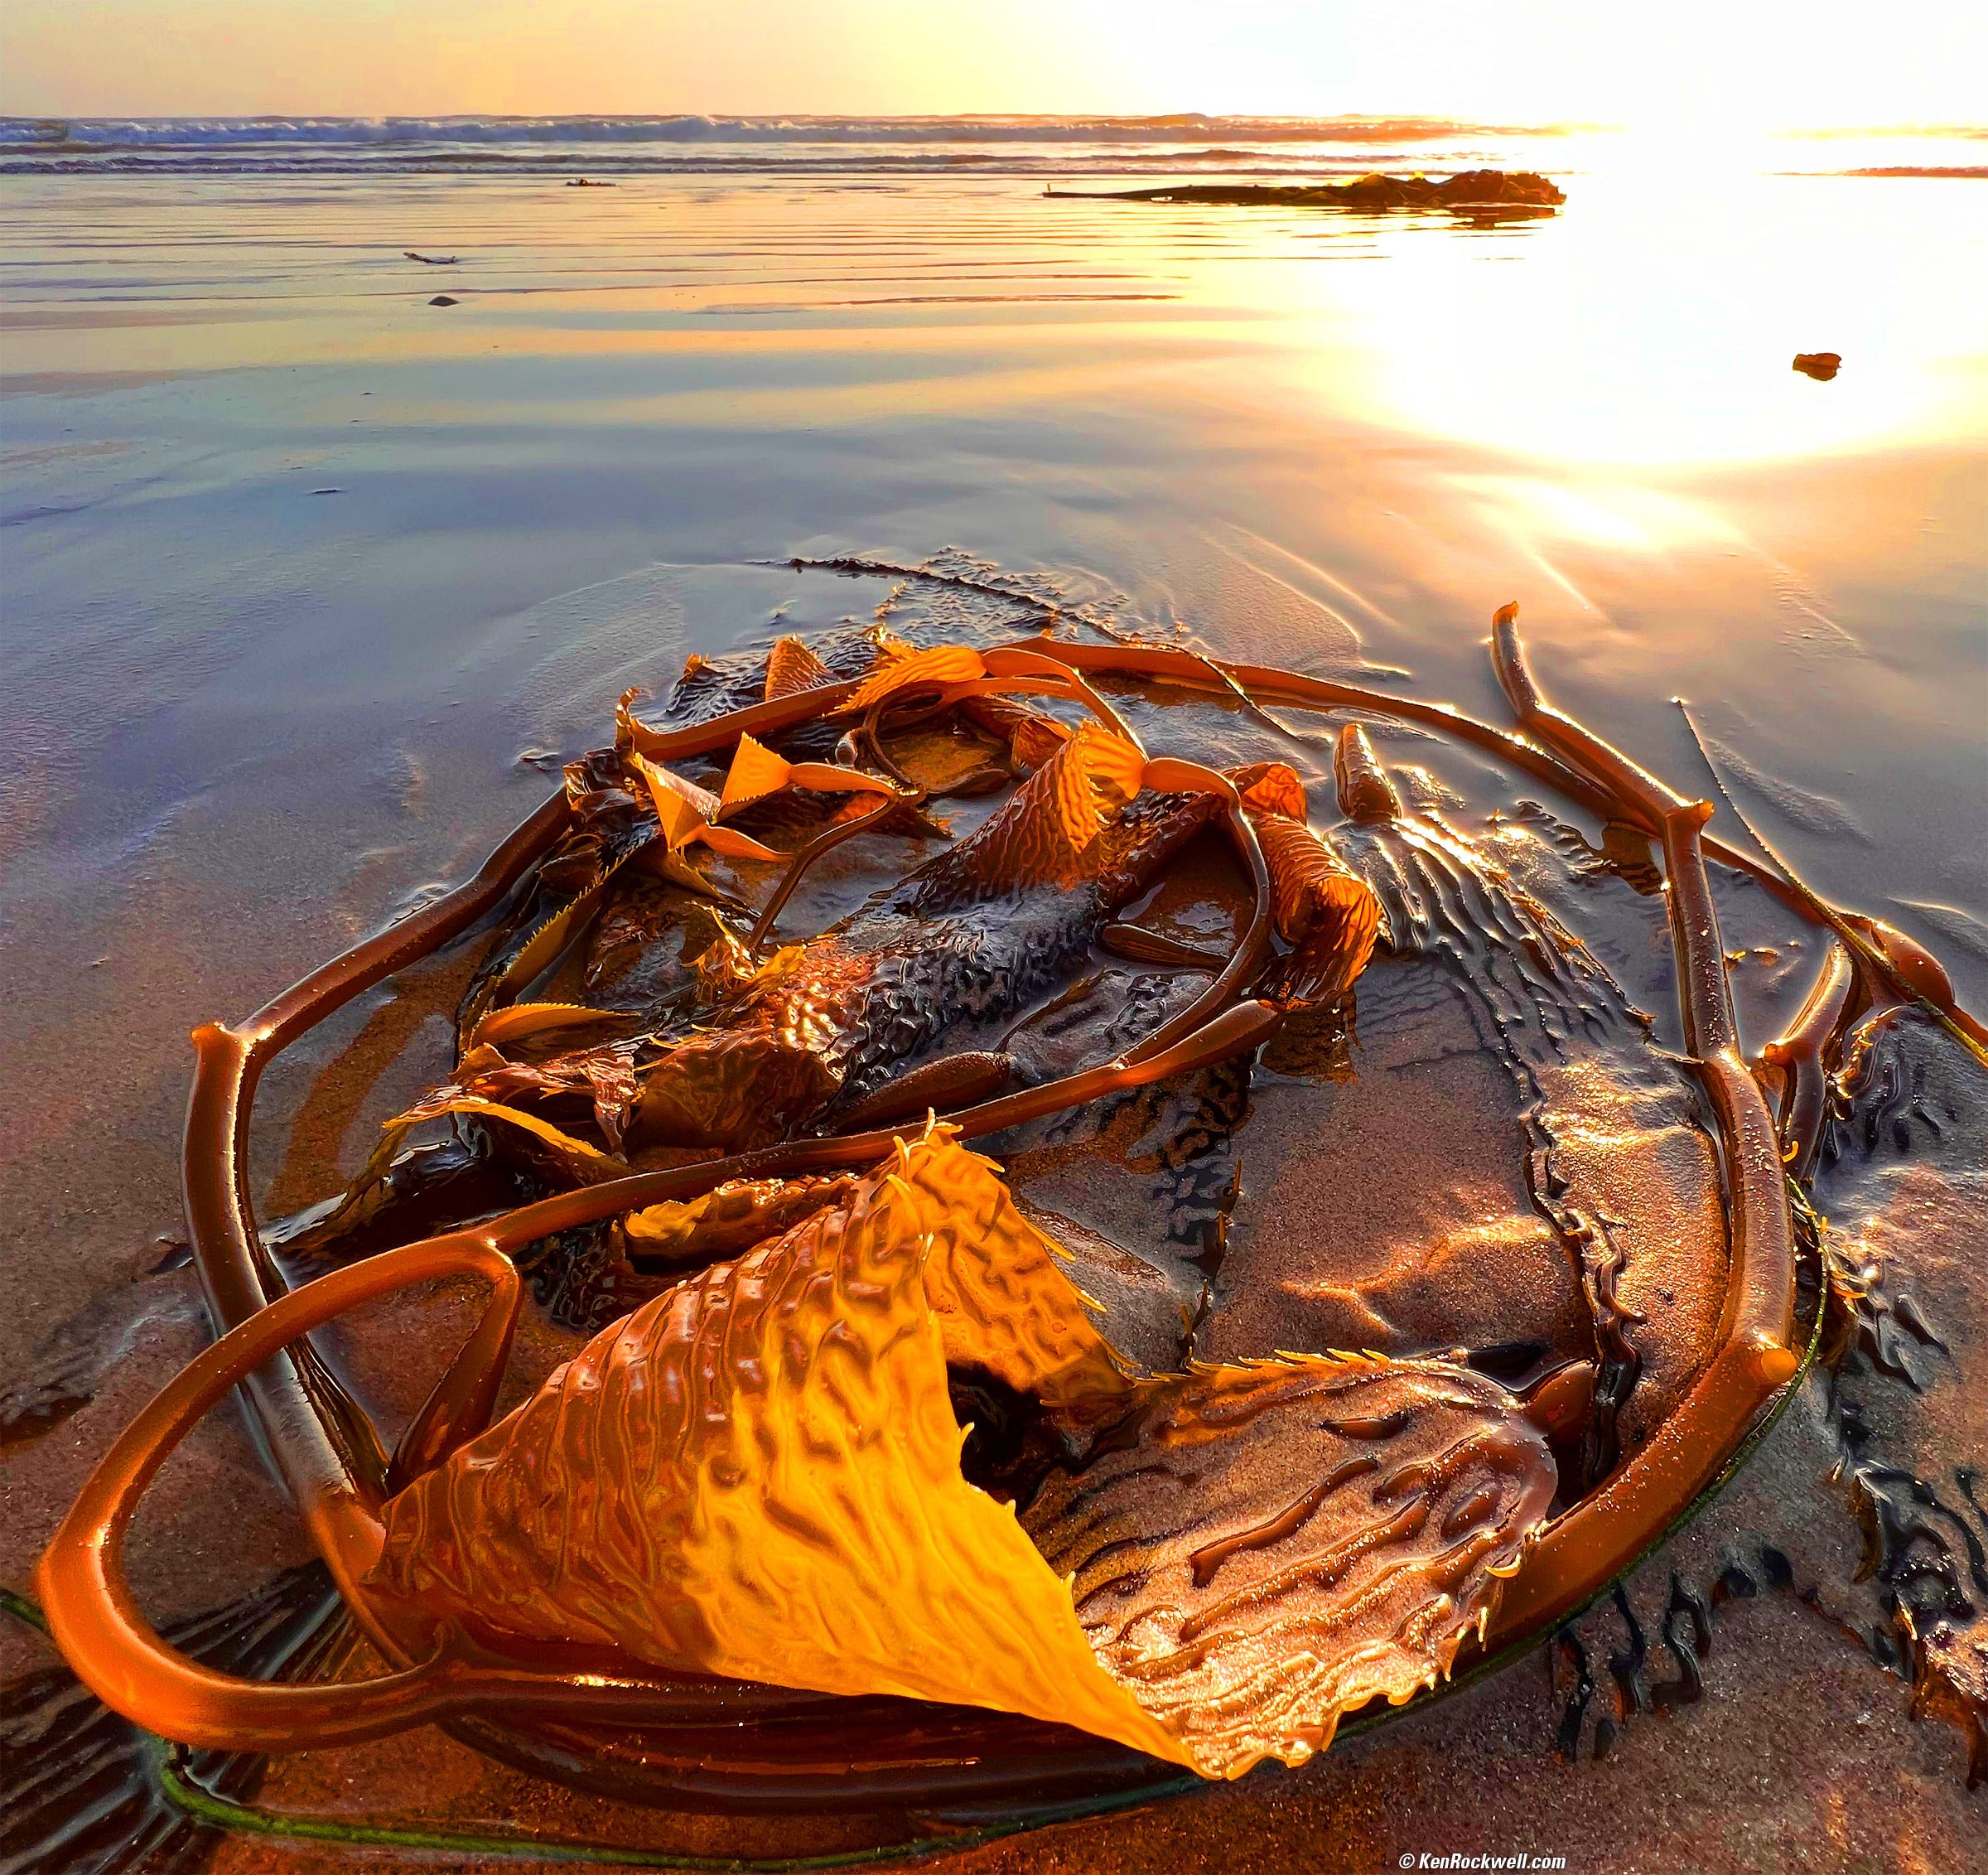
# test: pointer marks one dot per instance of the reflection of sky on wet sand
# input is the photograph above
(1310, 438)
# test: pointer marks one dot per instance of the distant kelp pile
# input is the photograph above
(1471, 191)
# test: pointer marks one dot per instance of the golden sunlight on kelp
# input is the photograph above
(847, 1410)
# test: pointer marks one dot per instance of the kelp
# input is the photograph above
(758, 1474)
(875, 1426)
(1470, 192)
(964, 940)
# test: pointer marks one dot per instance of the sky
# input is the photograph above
(1740, 64)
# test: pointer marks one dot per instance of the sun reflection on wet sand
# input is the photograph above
(1642, 329)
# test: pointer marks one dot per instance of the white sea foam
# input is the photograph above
(1004, 144)
(1192, 127)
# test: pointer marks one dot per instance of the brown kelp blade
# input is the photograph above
(756, 772)
(900, 669)
(758, 1475)
(791, 668)
(1042, 834)
(687, 814)
(1288, 1540)
(1324, 910)
(581, 1162)
(730, 1219)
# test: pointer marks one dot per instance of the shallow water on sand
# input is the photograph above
(299, 566)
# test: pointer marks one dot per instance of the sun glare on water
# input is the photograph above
(1655, 321)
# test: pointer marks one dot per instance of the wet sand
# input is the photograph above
(249, 720)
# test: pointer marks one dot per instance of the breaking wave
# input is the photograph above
(234, 131)
(1008, 143)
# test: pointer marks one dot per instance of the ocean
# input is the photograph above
(998, 145)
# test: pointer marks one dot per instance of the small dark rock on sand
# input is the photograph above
(1821, 366)
(443, 299)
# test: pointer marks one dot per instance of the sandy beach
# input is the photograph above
(312, 582)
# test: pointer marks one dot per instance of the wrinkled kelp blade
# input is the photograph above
(1284, 1542)
(757, 1474)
